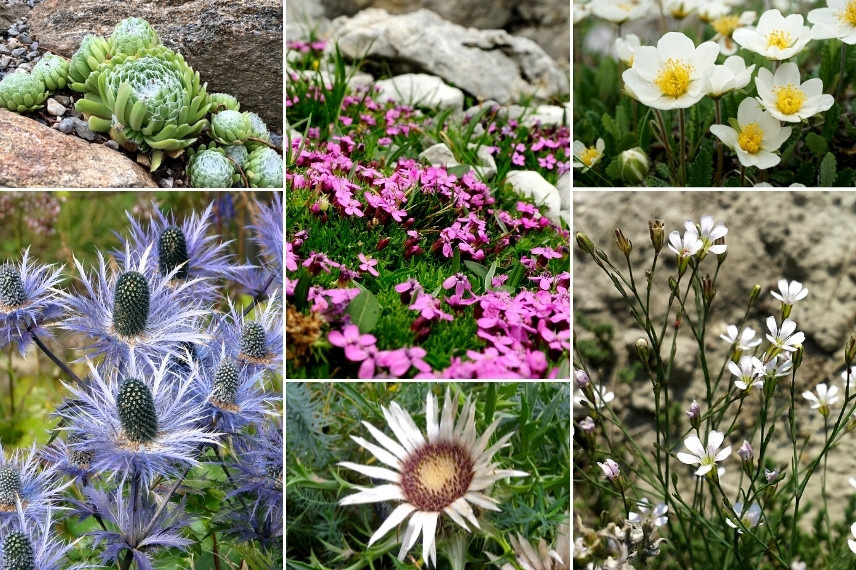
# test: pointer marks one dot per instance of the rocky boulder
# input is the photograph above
(488, 64)
(235, 45)
(33, 155)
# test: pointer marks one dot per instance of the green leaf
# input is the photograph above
(827, 170)
(734, 124)
(831, 122)
(488, 278)
(700, 171)
(816, 144)
(612, 169)
(516, 275)
(458, 170)
(301, 292)
(611, 128)
(364, 310)
(663, 170)
(846, 177)
(476, 268)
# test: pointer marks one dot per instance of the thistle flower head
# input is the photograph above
(172, 252)
(137, 410)
(254, 342)
(10, 485)
(17, 552)
(26, 486)
(130, 304)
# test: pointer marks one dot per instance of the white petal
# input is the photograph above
(482, 501)
(431, 411)
(693, 443)
(374, 495)
(463, 508)
(411, 534)
(394, 417)
(447, 422)
(714, 440)
(723, 454)
(688, 459)
(429, 546)
(453, 514)
(379, 452)
(387, 442)
(373, 472)
(398, 515)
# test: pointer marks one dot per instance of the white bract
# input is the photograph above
(776, 36)
(705, 457)
(733, 74)
(838, 20)
(760, 135)
(786, 98)
(673, 74)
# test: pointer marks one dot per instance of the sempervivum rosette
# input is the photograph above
(258, 130)
(132, 35)
(52, 70)
(210, 169)
(93, 50)
(222, 101)
(230, 127)
(264, 168)
(21, 92)
(151, 101)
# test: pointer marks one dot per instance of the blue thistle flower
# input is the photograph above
(31, 545)
(267, 224)
(133, 308)
(255, 342)
(76, 463)
(28, 301)
(136, 530)
(141, 419)
(27, 487)
(232, 396)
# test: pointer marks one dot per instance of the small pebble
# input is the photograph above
(63, 100)
(54, 108)
(65, 126)
(13, 31)
(4, 61)
(33, 56)
(4, 50)
(84, 132)
(25, 39)
(19, 52)
(112, 144)
(34, 45)
(165, 183)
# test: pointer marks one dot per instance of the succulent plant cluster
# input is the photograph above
(151, 101)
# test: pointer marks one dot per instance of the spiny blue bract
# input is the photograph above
(225, 389)
(11, 289)
(131, 304)
(10, 485)
(18, 552)
(172, 252)
(137, 410)
(253, 341)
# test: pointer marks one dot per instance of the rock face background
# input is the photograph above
(547, 22)
(806, 236)
(235, 45)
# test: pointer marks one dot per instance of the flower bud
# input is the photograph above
(753, 296)
(850, 350)
(582, 378)
(585, 243)
(745, 452)
(708, 291)
(797, 356)
(624, 244)
(587, 425)
(381, 244)
(633, 166)
(643, 350)
(610, 469)
(658, 233)
(694, 414)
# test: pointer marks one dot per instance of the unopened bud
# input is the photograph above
(673, 285)
(850, 350)
(753, 295)
(633, 166)
(610, 469)
(694, 415)
(588, 425)
(745, 452)
(708, 291)
(643, 350)
(797, 356)
(381, 244)
(658, 233)
(624, 244)
(582, 378)
(585, 243)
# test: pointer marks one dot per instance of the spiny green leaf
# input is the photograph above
(700, 171)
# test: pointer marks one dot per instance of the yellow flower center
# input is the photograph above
(789, 99)
(848, 15)
(588, 155)
(751, 137)
(674, 78)
(779, 38)
(725, 25)
(436, 475)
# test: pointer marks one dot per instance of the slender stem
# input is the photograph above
(742, 175)
(164, 503)
(135, 497)
(683, 144)
(11, 384)
(55, 358)
(229, 475)
(260, 297)
(823, 478)
(126, 563)
(841, 76)
(665, 139)
(718, 118)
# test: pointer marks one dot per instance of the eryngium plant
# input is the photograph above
(21, 92)
(151, 101)
(52, 70)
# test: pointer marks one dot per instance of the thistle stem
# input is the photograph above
(54, 357)
(259, 297)
(164, 503)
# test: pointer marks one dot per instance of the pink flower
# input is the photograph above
(356, 345)
(368, 265)
(460, 282)
(549, 162)
(429, 307)
(546, 252)
(518, 159)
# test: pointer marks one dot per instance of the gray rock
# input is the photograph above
(563, 185)
(25, 39)
(112, 144)
(19, 52)
(489, 64)
(532, 185)
(66, 126)
(236, 47)
(438, 154)
(4, 61)
(83, 131)
(37, 156)
(54, 108)
(421, 90)
(546, 115)
(63, 100)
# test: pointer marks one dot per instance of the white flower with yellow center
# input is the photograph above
(733, 74)
(624, 48)
(620, 11)
(776, 36)
(712, 9)
(836, 21)
(443, 474)
(680, 9)
(725, 25)
(758, 135)
(786, 98)
(673, 74)
(586, 157)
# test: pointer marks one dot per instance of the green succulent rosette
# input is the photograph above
(133, 35)
(238, 153)
(258, 130)
(230, 127)
(223, 101)
(21, 92)
(92, 52)
(211, 169)
(264, 168)
(52, 70)
(149, 102)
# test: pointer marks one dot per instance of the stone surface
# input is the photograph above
(544, 21)
(799, 235)
(236, 46)
(488, 64)
(532, 185)
(12, 12)
(421, 90)
(546, 115)
(34, 155)
(440, 154)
